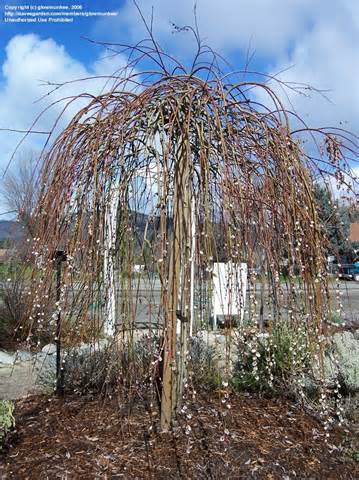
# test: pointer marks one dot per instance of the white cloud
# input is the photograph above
(269, 25)
(29, 62)
(320, 43)
(313, 42)
(317, 39)
(326, 57)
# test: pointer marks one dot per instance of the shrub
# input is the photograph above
(272, 361)
(20, 319)
(7, 420)
(15, 303)
(204, 369)
(103, 368)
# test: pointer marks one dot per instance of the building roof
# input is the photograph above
(354, 232)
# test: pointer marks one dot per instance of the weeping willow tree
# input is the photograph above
(210, 174)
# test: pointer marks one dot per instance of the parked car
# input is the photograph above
(349, 272)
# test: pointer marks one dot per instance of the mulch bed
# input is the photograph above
(84, 438)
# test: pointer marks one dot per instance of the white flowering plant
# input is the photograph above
(271, 360)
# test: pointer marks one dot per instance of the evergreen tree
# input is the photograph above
(336, 218)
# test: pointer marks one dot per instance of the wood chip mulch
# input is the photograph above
(82, 438)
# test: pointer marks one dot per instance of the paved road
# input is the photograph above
(350, 299)
(147, 306)
(17, 381)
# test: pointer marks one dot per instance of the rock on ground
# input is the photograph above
(49, 349)
(342, 359)
(18, 381)
(6, 358)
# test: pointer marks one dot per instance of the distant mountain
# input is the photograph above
(10, 230)
(13, 230)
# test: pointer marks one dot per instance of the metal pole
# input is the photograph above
(60, 257)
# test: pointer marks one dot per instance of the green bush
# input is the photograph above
(271, 361)
(7, 420)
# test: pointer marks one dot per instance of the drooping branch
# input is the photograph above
(144, 149)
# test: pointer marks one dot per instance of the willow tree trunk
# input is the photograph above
(173, 364)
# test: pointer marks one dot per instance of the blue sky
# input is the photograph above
(310, 41)
(66, 34)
